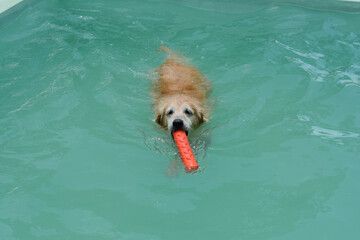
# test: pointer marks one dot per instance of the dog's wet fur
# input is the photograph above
(180, 92)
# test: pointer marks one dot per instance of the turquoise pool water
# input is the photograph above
(81, 159)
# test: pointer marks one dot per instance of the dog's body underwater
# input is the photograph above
(180, 94)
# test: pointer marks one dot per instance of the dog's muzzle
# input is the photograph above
(178, 125)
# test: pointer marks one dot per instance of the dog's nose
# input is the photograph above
(178, 124)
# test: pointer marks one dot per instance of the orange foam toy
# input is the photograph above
(185, 151)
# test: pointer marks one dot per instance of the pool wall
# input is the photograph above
(10, 8)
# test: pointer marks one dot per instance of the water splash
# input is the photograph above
(159, 144)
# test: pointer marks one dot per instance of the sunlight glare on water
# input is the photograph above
(81, 157)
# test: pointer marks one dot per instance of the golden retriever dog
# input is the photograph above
(180, 93)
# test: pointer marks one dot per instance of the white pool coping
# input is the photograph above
(6, 4)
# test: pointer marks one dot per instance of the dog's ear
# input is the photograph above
(159, 119)
(203, 117)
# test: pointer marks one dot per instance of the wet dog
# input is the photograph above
(180, 93)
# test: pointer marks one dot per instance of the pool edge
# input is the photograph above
(16, 7)
(8, 5)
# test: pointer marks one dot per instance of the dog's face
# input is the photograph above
(179, 113)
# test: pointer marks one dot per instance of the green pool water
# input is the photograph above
(80, 157)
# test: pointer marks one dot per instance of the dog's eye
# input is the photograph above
(170, 112)
(188, 112)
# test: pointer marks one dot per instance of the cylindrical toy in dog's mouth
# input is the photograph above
(186, 154)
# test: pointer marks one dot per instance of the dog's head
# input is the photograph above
(180, 113)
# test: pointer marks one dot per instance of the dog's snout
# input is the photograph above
(178, 124)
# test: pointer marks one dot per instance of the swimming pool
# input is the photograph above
(81, 159)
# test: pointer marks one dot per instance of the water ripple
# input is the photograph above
(350, 77)
(332, 134)
(315, 73)
(312, 55)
